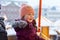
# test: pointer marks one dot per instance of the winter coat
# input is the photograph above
(25, 31)
(3, 33)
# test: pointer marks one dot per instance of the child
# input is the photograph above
(3, 33)
(26, 27)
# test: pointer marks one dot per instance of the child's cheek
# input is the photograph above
(29, 19)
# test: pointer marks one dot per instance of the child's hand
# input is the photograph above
(38, 29)
(38, 33)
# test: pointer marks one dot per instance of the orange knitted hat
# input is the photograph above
(26, 10)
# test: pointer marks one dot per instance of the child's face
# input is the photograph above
(29, 17)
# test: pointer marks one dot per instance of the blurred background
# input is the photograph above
(10, 10)
(50, 18)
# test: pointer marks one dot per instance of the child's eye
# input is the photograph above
(30, 14)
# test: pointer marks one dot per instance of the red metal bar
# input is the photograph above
(39, 14)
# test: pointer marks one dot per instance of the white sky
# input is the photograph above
(50, 3)
(45, 3)
(33, 3)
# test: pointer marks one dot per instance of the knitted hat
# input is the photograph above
(26, 10)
